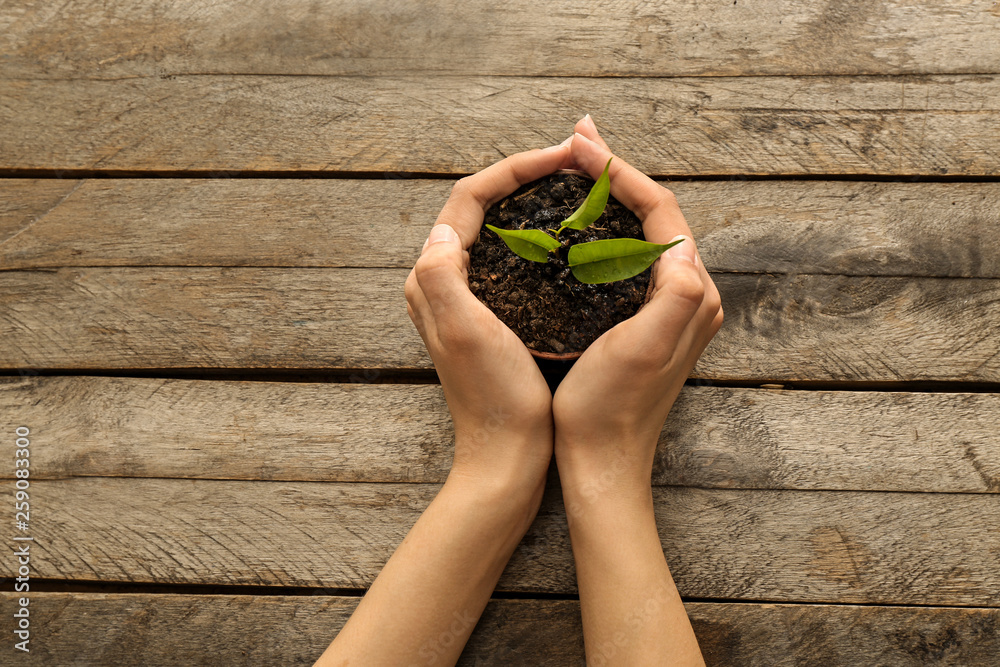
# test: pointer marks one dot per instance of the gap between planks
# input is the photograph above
(69, 586)
(130, 629)
(66, 174)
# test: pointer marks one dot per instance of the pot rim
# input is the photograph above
(578, 172)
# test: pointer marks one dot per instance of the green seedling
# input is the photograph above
(594, 262)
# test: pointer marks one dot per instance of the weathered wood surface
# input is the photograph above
(852, 228)
(632, 38)
(319, 318)
(793, 327)
(801, 546)
(715, 437)
(455, 124)
(847, 328)
(136, 629)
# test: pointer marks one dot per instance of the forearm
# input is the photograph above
(426, 601)
(632, 613)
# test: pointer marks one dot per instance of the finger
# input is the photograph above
(665, 223)
(628, 185)
(441, 275)
(686, 249)
(417, 307)
(708, 318)
(655, 205)
(472, 195)
(588, 128)
(705, 324)
(657, 330)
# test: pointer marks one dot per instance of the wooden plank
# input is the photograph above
(853, 228)
(794, 327)
(804, 546)
(22, 204)
(175, 318)
(630, 38)
(142, 629)
(218, 222)
(845, 328)
(716, 437)
(669, 126)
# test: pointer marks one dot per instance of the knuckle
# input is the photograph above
(410, 288)
(684, 281)
(713, 302)
(667, 197)
(714, 325)
(429, 265)
(455, 337)
(657, 198)
(646, 204)
(461, 187)
(470, 187)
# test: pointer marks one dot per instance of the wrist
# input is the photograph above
(511, 456)
(622, 465)
(505, 498)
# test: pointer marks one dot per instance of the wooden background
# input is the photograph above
(208, 209)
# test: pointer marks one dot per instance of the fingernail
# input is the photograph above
(684, 250)
(557, 147)
(442, 234)
(589, 121)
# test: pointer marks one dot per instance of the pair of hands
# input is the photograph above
(606, 416)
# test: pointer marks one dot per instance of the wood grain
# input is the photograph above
(126, 629)
(885, 229)
(792, 327)
(786, 125)
(631, 38)
(715, 437)
(844, 328)
(803, 546)
(318, 318)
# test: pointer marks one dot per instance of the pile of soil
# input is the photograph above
(544, 304)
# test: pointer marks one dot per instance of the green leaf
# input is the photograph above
(533, 244)
(613, 259)
(592, 207)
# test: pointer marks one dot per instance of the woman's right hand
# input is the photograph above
(608, 413)
(610, 408)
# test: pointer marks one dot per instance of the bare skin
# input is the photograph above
(424, 604)
(608, 413)
(602, 426)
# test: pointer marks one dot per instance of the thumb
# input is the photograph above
(659, 325)
(440, 271)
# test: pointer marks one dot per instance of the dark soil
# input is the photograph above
(548, 308)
